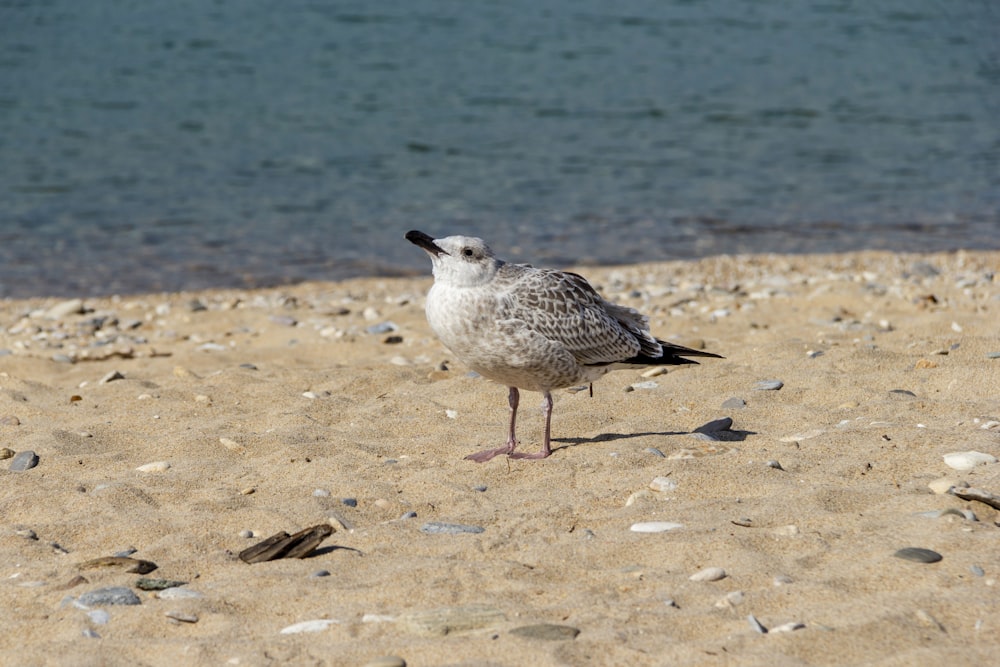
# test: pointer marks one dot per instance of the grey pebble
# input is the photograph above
(62, 359)
(715, 425)
(382, 328)
(481, 488)
(902, 392)
(319, 573)
(284, 320)
(768, 385)
(350, 502)
(26, 533)
(5, 352)
(246, 534)
(976, 570)
(734, 403)
(248, 366)
(409, 515)
(386, 661)
(321, 493)
(546, 631)
(918, 555)
(773, 464)
(993, 355)
(655, 452)
(90, 634)
(125, 552)
(438, 527)
(25, 460)
(112, 595)
(196, 306)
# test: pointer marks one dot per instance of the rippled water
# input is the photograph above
(150, 146)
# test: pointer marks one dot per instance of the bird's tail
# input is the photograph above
(672, 355)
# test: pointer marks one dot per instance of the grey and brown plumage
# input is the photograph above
(533, 329)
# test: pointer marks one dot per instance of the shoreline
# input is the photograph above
(273, 406)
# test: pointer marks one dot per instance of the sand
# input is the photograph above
(272, 406)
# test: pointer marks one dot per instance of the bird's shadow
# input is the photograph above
(724, 435)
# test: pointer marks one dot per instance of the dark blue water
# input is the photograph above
(185, 144)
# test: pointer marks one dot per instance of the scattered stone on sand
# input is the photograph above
(316, 625)
(6, 453)
(154, 467)
(968, 460)
(756, 625)
(663, 484)
(734, 403)
(971, 493)
(25, 460)
(148, 584)
(111, 595)
(111, 377)
(9, 420)
(385, 661)
(179, 593)
(918, 555)
(709, 574)
(768, 385)
(655, 526)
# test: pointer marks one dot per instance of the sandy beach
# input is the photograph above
(183, 428)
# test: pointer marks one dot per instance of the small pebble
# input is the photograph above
(773, 464)
(178, 593)
(440, 528)
(10, 420)
(25, 460)
(156, 466)
(321, 493)
(976, 570)
(918, 555)
(734, 403)
(112, 595)
(942, 485)
(768, 385)
(6, 453)
(968, 460)
(319, 574)
(663, 484)
(781, 580)
(756, 625)
(655, 526)
(481, 488)
(648, 384)
(246, 534)
(654, 371)
(409, 515)
(149, 584)
(350, 502)
(181, 616)
(709, 574)
(655, 452)
(382, 328)
(386, 661)
(317, 625)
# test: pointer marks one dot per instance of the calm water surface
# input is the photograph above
(186, 144)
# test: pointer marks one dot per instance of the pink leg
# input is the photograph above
(546, 446)
(486, 455)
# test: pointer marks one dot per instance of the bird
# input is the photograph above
(532, 329)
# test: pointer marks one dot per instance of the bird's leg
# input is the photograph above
(546, 445)
(481, 457)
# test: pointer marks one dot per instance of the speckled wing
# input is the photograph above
(565, 309)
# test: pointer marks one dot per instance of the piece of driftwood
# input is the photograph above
(991, 499)
(283, 545)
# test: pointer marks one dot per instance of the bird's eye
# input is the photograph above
(467, 252)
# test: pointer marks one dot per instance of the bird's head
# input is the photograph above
(462, 261)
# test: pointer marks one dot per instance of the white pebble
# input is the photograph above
(802, 436)
(178, 593)
(309, 626)
(654, 371)
(663, 484)
(655, 526)
(788, 627)
(967, 460)
(709, 574)
(155, 466)
(648, 384)
(451, 414)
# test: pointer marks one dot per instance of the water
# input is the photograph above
(186, 144)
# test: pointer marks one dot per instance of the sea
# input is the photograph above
(150, 145)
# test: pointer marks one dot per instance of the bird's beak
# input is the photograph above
(424, 241)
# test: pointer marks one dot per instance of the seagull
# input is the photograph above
(532, 329)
